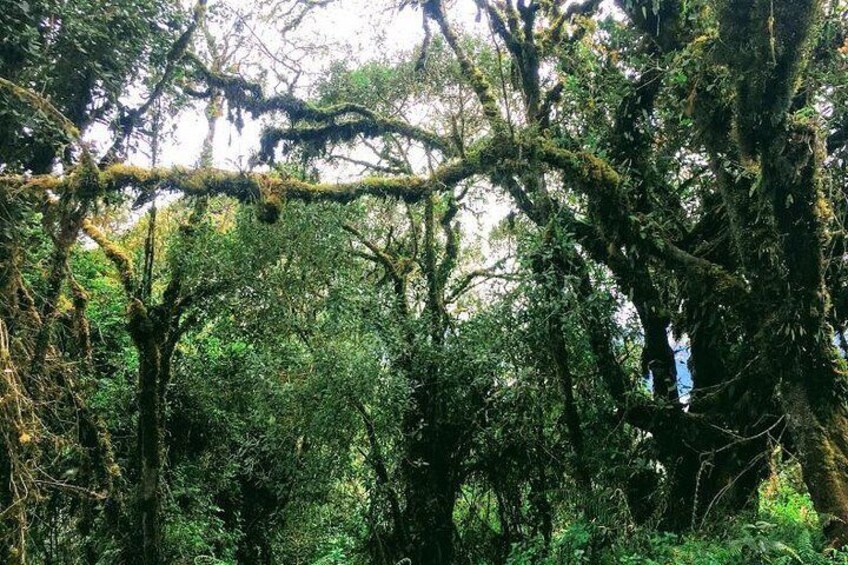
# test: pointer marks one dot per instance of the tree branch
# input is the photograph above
(471, 72)
(114, 253)
(601, 184)
(130, 119)
(242, 93)
(335, 132)
(246, 187)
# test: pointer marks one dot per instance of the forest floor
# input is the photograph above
(784, 530)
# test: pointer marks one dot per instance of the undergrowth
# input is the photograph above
(784, 530)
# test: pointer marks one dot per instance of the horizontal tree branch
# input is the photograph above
(339, 132)
(242, 93)
(267, 188)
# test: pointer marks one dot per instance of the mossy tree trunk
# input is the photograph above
(147, 339)
(431, 466)
(431, 479)
(155, 329)
(789, 303)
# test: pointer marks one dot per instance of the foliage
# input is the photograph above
(341, 355)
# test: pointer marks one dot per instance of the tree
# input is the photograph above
(686, 156)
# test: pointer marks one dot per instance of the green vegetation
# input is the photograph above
(563, 283)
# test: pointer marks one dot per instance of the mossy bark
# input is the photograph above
(430, 472)
(819, 428)
(147, 340)
(431, 490)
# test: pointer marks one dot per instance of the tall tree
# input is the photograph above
(688, 152)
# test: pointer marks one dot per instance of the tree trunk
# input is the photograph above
(257, 508)
(150, 449)
(149, 496)
(818, 421)
(430, 500)
(431, 479)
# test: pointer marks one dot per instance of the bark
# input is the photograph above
(564, 378)
(819, 427)
(812, 387)
(434, 446)
(384, 488)
(430, 475)
(150, 436)
(430, 498)
(257, 507)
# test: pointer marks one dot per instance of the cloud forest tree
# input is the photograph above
(684, 157)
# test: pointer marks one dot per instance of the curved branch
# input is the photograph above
(43, 105)
(601, 184)
(115, 254)
(560, 19)
(248, 95)
(370, 127)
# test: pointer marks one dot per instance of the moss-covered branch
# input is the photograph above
(114, 253)
(602, 185)
(663, 22)
(470, 71)
(520, 42)
(766, 45)
(322, 122)
(559, 18)
(340, 132)
(268, 189)
(42, 105)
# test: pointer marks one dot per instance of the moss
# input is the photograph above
(484, 157)
(319, 136)
(115, 253)
(44, 184)
(42, 105)
(120, 175)
(478, 81)
(270, 204)
(588, 170)
(85, 181)
(766, 44)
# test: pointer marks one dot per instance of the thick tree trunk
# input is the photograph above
(257, 507)
(431, 479)
(150, 437)
(150, 449)
(816, 410)
(734, 398)
(820, 433)
(812, 387)
(711, 482)
(430, 500)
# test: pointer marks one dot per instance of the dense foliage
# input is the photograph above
(565, 283)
